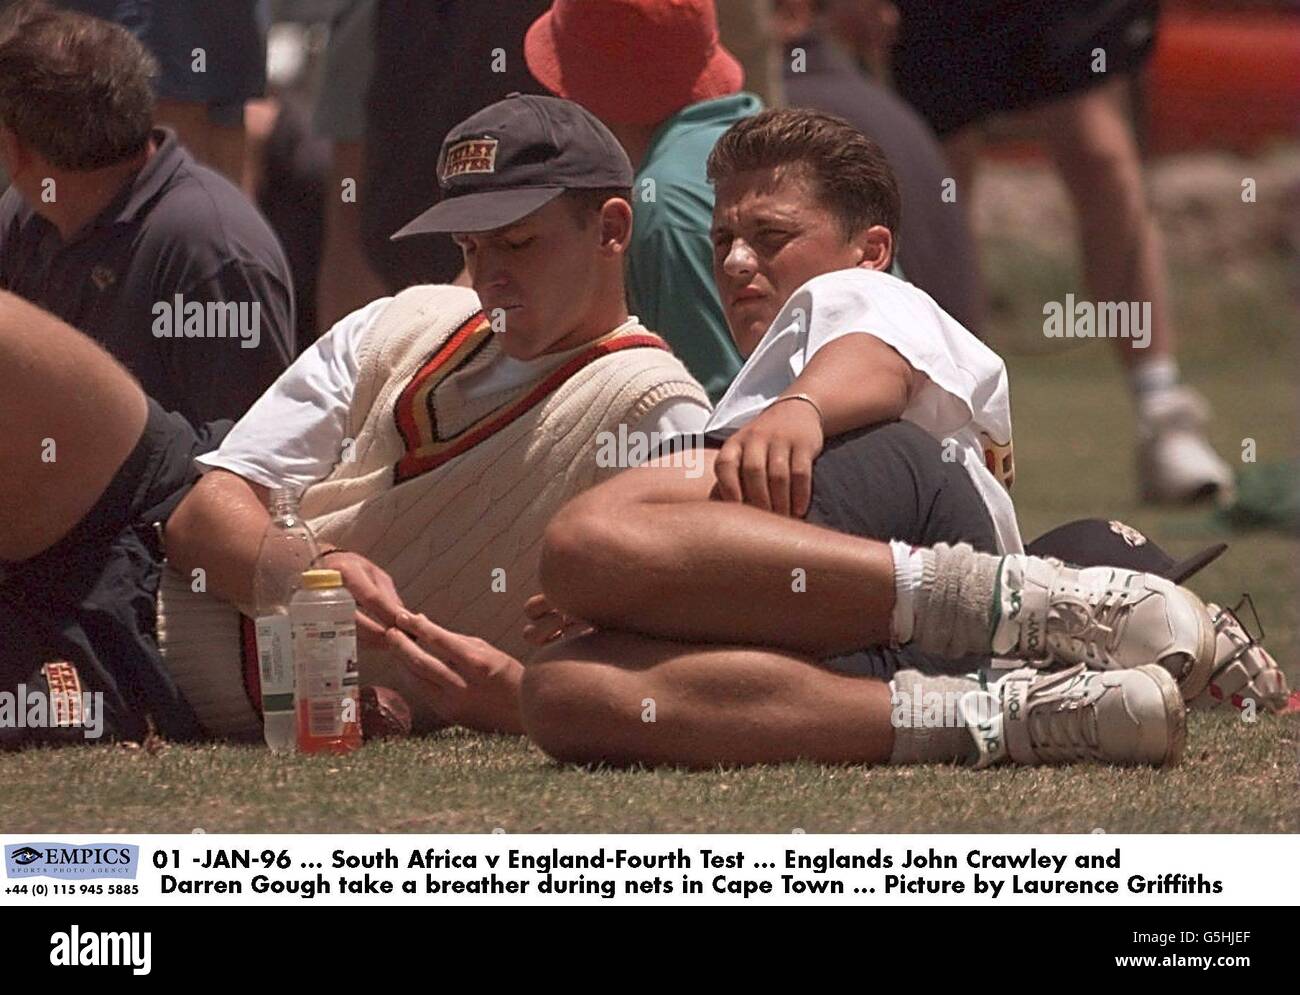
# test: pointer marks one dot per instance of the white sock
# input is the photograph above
(928, 720)
(1149, 377)
(909, 567)
(953, 609)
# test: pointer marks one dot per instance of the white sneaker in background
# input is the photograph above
(1175, 462)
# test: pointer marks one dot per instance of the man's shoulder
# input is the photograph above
(644, 365)
(675, 170)
(870, 290)
(203, 215)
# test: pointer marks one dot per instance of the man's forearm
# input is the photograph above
(218, 529)
(856, 381)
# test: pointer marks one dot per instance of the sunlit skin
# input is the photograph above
(557, 282)
(771, 235)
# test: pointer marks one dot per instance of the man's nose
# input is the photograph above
(740, 261)
(488, 273)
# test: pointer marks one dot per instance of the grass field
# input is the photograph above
(1074, 457)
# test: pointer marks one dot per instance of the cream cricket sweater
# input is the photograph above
(451, 497)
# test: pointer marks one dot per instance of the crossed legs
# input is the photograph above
(620, 698)
(708, 650)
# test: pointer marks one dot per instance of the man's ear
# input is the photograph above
(615, 225)
(877, 247)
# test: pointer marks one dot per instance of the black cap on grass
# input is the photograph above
(1095, 542)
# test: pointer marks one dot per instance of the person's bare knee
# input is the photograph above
(577, 705)
(583, 551)
(71, 414)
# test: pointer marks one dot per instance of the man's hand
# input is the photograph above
(471, 682)
(549, 624)
(378, 603)
(768, 463)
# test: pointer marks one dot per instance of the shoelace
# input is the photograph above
(1058, 728)
(1094, 626)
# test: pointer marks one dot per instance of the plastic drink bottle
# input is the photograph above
(288, 548)
(323, 619)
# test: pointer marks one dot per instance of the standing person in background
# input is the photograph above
(111, 225)
(748, 30)
(936, 251)
(655, 73)
(436, 62)
(347, 280)
(212, 59)
(1068, 70)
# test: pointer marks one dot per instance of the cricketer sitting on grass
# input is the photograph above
(746, 630)
(436, 432)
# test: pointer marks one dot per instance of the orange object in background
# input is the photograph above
(1223, 80)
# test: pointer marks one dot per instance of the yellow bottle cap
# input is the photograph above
(314, 580)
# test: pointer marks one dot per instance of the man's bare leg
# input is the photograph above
(70, 415)
(619, 698)
(962, 150)
(1092, 143)
(347, 281)
(648, 552)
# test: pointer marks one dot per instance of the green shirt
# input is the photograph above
(670, 262)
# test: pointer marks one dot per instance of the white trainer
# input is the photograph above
(1175, 462)
(1106, 618)
(1078, 716)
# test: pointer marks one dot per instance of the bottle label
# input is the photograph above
(327, 671)
(275, 663)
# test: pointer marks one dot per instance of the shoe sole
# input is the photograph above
(1175, 712)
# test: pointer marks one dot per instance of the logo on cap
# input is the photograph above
(474, 155)
(1129, 534)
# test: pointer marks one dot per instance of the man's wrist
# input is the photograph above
(821, 419)
(319, 558)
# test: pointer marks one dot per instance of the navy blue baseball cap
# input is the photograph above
(1096, 542)
(515, 156)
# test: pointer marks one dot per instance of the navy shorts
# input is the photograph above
(888, 482)
(90, 598)
(230, 33)
(958, 63)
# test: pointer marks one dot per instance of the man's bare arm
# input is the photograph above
(648, 552)
(219, 528)
(857, 380)
(854, 381)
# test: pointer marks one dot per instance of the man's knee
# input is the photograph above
(575, 709)
(582, 549)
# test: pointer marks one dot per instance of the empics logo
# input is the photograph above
(69, 861)
(91, 949)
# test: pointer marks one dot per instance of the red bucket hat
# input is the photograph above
(632, 61)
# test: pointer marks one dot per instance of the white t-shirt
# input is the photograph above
(293, 434)
(966, 399)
